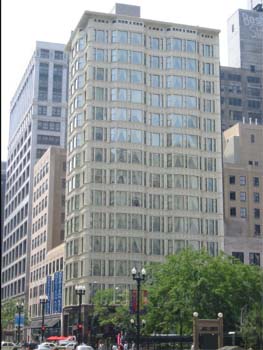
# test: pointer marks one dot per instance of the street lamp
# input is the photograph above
(138, 277)
(19, 307)
(80, 290)
(43, 300)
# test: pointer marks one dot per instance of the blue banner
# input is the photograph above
(48, 293)
(55, 297)
(60, 286)
(19, 321)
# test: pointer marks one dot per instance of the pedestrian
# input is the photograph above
(101, 346)
(133, 346)
(125, 346)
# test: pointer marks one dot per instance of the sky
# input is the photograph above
(23, 22)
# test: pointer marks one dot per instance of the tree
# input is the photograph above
(252, 328)
(8, 313)
(112, 312)
(194, 281)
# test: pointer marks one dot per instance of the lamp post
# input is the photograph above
(43, 300)
(138, 277)
(19, 307)
(80, 290)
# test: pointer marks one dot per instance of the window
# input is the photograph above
(174, 44)
(242, 180)
(56, 111)
(100, 36)
(232, 196)
(136, 77)
(99, 55)
(190, 46)
(42, 110)
(44, 53)
(233, 211)
(242, 196)
(155, 62)
(155, 119)
(243, 212)
(57, 83)
(43, 81)
(252, 138)
(136, 57)
(48, 140)
(256, 181)
(174, 63)
(256, 213)
(174, 81)
(58, 55)
(155, 43)
(136, 38)
(254, 259)
(98, 134)
(257, 230)
(256, 197)
(119, 56)
(232, 180)
(235, 101)
(119, 37)
(239, 256)
(156, 81)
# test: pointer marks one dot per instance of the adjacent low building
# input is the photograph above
(243, 192)
(47, 242)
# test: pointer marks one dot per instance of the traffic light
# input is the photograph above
(80, 326)
(43, 328)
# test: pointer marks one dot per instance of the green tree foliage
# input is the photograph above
(194, 281)
(8, 313)
(112, 309)
(252, 328)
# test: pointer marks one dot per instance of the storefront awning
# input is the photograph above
(52, 322)
(36, 324)
(49, 323)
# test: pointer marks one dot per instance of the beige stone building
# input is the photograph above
(144, 173)
(243, 192)
(47, 242)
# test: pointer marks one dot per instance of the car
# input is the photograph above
(71, 345)
(51, 345)
(63, 342)
(8, 345)
(43, 347)
(84, 347)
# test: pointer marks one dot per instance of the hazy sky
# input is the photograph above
(26, 21)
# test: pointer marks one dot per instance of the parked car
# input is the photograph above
(8, 345)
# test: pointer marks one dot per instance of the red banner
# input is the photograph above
(143, 301)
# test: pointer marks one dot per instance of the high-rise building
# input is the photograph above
(48, 222)
(144, 175)
(241, 82)
(241, 96)
(37, 121)
(245, 44)
(243, 192)
(3, 184)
